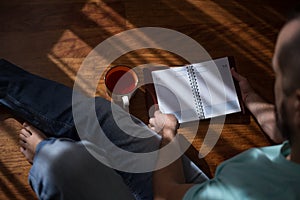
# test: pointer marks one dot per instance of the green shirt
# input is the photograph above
(259, 173)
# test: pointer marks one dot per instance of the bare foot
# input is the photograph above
(30, 137)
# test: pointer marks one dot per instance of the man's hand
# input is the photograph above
(263, 111)
(168, 182)
(164, 124)
(245, 86)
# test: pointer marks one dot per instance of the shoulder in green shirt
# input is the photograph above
(259, 173)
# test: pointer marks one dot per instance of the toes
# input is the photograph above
(27, 154)
(22, 149)
(33, 130)
(23, 143)
(25, 132)
(22, 137)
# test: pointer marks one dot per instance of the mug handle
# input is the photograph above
(125, 100)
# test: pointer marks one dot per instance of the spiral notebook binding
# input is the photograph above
(195, 91)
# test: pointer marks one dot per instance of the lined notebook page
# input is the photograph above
(174, 94)
(216, 88)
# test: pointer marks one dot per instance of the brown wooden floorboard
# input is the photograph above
(52, 38)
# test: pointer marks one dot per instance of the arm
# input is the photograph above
(168, 182)
(263, 111)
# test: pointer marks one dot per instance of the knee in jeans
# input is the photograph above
(57, 161)
(53, 169)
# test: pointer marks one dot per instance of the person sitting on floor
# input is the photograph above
(259, 173)
(63, 168)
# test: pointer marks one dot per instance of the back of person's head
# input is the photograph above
(289, 56)
(287, 86)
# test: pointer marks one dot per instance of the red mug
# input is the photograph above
(121, 82)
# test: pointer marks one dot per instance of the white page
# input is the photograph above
(216, 88)
(174, 94)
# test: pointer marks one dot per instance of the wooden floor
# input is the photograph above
(51, 39)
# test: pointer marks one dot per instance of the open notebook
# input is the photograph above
(197, 91)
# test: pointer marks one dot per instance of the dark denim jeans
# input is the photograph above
(47, 105)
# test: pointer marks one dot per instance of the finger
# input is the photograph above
(150, 126)
(25, 132)
(236, 75)
(156, 107)
(153, 128)
(152, 121)
(157, 113)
